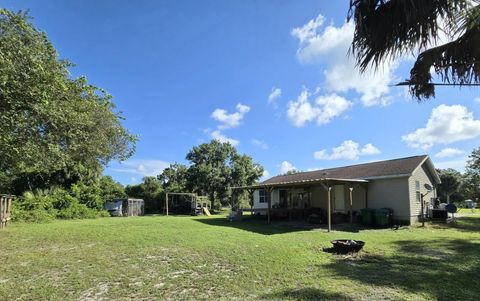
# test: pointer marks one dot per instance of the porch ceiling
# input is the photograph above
(327, 181)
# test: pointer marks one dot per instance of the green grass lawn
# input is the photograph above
(178, 258)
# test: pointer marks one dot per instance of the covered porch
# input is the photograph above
(328, 198)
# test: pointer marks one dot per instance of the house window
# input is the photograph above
(262, 196)
(417, 191)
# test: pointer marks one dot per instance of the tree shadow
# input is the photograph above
(259, 225)
(467, 223)
(255, 225)
(442, 269)
(305, 294)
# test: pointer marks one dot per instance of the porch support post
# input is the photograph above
(166, 203)
(251, 200)
(329, 210)
(269, 190)
(289, 198)
(351, 204)
(366, 194)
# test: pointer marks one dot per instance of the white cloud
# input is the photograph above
(323, 110)
(348, 150)
(217, 135)
(286, 166)
(369, 150)
(477, 99)
(330, 44)
(458, 164)
(265, 175)
(274, 95)
(447, 124)
(260, 143)
(230, 120)
(146, 168)
(449, 152)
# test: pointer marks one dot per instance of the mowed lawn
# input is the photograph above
(193, 258)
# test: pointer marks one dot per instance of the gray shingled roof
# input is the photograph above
(395, 167)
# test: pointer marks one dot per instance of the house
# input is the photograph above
(397, 184)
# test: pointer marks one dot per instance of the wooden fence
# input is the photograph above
(5, 209)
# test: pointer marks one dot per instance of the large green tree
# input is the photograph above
(451, 182)
(110, 189)
(54, 129)
(386, 29)
(215, 167)
(150, 191)
(175, 178)
(471, 188)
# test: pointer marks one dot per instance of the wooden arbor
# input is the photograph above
(5, 209)
(194, 198)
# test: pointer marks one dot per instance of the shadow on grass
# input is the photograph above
(464, 223)
(440, 269)
(260, 225)
(255, 225)
(305, 294)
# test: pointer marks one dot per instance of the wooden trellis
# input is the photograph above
(5, 209)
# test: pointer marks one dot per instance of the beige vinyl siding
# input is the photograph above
(390, 193)
(256, 199)
(422, 175)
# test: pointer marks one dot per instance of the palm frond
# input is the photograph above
(457, 62)
(393, 27)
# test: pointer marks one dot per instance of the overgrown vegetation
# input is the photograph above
(56, 132)
(200, 258)
(79, 201)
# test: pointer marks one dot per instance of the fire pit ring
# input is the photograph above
(344, 246)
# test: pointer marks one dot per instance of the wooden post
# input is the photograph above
(366, 195)
(1, 211)
(422, 215)
(251, 199)
(329, 210)
(268, 192)
(289, 199)
(166, 203)
(5, 210)
(351, 205)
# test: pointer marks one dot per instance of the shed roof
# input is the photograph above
(367, 171)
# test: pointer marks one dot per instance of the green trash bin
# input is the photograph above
(368, 217)
(383, 217)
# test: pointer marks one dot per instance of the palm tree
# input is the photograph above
(386, 29)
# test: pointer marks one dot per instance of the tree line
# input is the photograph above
(457, 187)
(213, 169)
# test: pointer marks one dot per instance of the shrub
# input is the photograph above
(34, 207)
(45, 205)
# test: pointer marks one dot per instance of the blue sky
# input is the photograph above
(272, 77)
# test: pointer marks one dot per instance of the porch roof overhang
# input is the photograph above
(300, 183)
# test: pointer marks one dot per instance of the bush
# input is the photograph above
(46, 205)
(31, 216)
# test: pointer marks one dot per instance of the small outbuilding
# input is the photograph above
(125, 207)
(470, 204)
